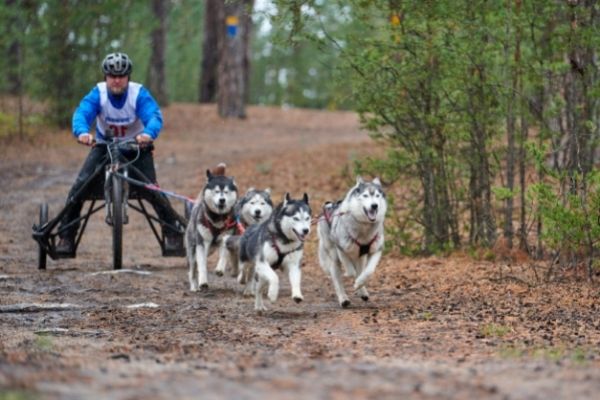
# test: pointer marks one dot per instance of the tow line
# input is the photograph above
(155, 188)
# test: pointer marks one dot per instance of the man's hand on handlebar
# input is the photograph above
(144, 140)
(86, 139)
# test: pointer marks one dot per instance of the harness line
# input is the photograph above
(155, 188)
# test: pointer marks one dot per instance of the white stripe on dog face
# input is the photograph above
(367, 202)
(256, 210)
(219, 199)
(296, 226)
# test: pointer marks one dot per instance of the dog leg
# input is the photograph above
(365, 275)
(347, 263)
(245, 274)
(259, 305)
(250, 288)
(233, 261)
(241, 274)
(192, 273)
(331, 266)
(295, 276)
(224, 258)
(265, 271)
(202, 273)
(338, 284)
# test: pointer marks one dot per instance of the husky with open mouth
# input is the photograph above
(351, 235)
(276, 243)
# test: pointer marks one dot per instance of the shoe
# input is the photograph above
(173, 242)
(173, 246)
(65, 245)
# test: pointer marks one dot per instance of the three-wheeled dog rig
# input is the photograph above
(113, 188)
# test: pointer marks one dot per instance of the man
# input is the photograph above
(122, 110)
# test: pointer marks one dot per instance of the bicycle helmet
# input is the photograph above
(117, 64)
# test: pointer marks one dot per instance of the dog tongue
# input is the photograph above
(372, 214)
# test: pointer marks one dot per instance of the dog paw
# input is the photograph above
(345, 303)
(260, 309)
(219, 273)
(365, 298)
(204, 286)
(298, 299)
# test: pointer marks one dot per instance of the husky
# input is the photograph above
(211, 219)
(276, 242)
(350, 234)
(253, 208)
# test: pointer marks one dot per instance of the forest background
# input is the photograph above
(488, 109)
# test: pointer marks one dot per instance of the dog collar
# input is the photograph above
(229, 223)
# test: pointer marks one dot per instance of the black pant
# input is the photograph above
(98, 158)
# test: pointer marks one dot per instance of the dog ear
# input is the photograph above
(250, 189)
(286, 198)
(377, 181)
(305, 198)
(268, 191)
(359, 180)
(209, 174)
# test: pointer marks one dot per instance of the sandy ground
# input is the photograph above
(434, 328)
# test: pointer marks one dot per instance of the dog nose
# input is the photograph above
(305, 231)
(221, 201)
(257, 213)
(374, 206)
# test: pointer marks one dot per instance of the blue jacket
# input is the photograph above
(147, 110)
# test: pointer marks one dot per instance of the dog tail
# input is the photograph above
(219, 169)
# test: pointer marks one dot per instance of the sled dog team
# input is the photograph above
(255, 238)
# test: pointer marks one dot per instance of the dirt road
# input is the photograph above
(434, 328)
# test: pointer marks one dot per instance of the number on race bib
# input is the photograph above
(118, 130)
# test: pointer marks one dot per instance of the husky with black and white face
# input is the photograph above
(274, 243)
(253, 208)
(351, 235)
(211, 219)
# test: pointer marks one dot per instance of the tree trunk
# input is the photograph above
(210, 54)
(156, 68)
(233, 59)
(522, 156)
(13, 55)
(510, 132)
(59, 78)
(483, 224)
